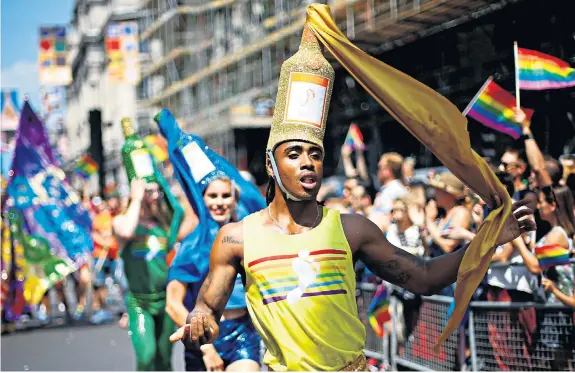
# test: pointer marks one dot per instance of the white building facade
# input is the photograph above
(92, 90)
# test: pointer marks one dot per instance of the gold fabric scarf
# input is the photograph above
(438, 124)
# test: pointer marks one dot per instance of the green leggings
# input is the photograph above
(151, 328)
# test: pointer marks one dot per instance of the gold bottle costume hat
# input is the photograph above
(304, 92)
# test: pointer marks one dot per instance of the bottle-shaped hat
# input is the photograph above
(140, 164)
(136, 156)
(304, 93)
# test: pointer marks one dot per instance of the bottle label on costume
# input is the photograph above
(142, 161)
(306, 99)
(199, 163)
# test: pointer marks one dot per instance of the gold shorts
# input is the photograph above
(358, 365)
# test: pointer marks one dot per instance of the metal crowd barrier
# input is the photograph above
(521, 337)
(497, 336)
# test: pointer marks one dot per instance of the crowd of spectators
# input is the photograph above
(439, 215)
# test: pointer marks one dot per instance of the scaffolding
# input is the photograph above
(206, 59)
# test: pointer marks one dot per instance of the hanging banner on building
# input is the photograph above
(122, 52)
(53, 107)
(52, 66)
(53, 104)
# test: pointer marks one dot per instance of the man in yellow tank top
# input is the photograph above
(296, 258)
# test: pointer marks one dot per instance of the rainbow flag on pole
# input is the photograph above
(551, 255)
(354, 138)
(494, 107)
(86, 166)
(541, 71)
(378, 312)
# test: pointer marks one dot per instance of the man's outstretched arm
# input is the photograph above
(202, 323)
(419, 275)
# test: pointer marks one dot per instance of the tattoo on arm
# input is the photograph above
(412, 258)
(232, 240)
(401, 274)
(215, 293)
(204, 288)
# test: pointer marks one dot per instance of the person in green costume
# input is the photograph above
(143, 230)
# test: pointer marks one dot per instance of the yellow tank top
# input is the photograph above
(300, 293)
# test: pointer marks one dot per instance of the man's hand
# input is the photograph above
(212, 359)
(200, 329)
(521, 118)
(137, 189)
(515, 224)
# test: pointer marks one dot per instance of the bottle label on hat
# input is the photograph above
(306, 99)
(142, 161)
(199, 163)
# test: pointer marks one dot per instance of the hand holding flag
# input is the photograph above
(354, 138)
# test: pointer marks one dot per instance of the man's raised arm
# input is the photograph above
(202, 323)
(419, 275)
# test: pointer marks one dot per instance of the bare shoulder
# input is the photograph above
(556, 237)
(461, 210)
(358, 230)
(230, 242)
(232, 234)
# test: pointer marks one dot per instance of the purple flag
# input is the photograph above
(38, 188)
(32, 152)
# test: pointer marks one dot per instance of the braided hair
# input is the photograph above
(271, 190)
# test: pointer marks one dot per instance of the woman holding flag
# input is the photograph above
(553, 251)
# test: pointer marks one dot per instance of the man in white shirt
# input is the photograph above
(390, 174)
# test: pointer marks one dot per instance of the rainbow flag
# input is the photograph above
(541, 71)
(354, 138)
(378, 312)
(86, 166)
(157, 146)
(494, 107)
(551, 255)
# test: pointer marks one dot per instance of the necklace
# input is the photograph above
(300, 228)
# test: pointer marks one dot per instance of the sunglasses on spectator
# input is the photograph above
(507, 165)
(151, 192)
(398, 209)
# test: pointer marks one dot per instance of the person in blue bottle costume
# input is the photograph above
(218, 195)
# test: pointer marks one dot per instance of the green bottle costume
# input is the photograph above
(145, 265)
(147, 272)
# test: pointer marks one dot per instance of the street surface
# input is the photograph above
(81, 347)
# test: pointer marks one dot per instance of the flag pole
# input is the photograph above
(516, 57)
(472, 102)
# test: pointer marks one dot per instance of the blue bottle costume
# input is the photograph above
(195, 167)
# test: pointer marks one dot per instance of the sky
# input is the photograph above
(19, 41)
